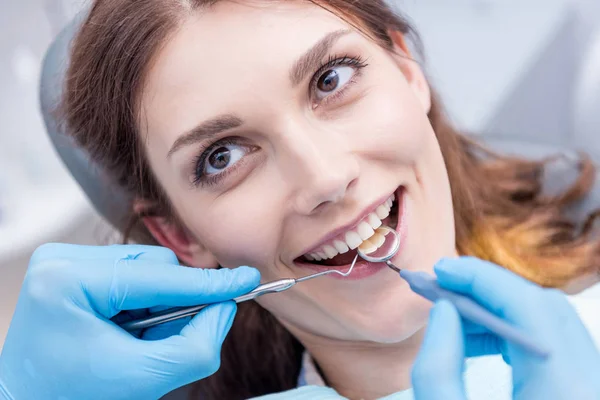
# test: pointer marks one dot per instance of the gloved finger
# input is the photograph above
(482, 345)
(139, 284)
(195, 353)
(490, 285)
(78, 252)
(437, 372)
(156, 254)
(153, 254)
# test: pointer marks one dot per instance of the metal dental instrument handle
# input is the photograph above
(427, 286)
(173, 314)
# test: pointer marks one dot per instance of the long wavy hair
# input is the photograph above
(501, 214)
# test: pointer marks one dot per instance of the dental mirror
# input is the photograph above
(381, 247)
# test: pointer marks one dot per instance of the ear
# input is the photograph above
(412, 70)
(175, 236)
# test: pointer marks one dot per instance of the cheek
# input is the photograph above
(240, 232)
(392, 125)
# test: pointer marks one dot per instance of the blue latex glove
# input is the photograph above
(62, 345)
(571, 372)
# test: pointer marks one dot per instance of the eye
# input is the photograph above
(221, 158)
(332, 80)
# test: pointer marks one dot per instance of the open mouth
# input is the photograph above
(366, 234)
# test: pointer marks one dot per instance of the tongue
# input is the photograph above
(340, 259)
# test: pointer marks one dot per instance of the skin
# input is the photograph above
(312, 162)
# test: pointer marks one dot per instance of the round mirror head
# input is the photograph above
(380, 247)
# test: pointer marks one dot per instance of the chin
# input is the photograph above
(397, 318)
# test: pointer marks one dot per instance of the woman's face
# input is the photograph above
(278, 131)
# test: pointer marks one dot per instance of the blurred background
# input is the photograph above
(508, 68)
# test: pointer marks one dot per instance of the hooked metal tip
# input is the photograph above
(351, 267)
(332, 271)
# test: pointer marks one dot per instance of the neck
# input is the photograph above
(365, 370)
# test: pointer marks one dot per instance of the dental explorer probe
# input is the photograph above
(427, 286)
(173, 314)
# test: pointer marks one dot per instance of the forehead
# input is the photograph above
(228, 51)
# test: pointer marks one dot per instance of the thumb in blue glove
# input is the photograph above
(62, 343)
(438, 369)
(544, 314)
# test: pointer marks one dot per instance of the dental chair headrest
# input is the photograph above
(112, 203)
(107, 200)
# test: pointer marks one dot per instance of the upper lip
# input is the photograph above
(349, 226)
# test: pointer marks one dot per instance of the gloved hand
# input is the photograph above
(62, 344)
(572, 370)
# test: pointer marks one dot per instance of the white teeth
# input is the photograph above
(370, 229)
(374, 221)
(382, 212)
(341, 246)
(330, 251)
(353, 240)
(393, 197)
(364, 230)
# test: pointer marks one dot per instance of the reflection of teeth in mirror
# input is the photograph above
(377, 239)
(374, 242)
(384, 230)
(367, 247)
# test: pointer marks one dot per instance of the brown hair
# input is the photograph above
(500, 212)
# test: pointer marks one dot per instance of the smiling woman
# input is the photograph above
(282, 135)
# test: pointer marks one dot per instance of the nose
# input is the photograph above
(320, 167)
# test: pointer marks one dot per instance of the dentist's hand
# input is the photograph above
(62, 343)
(571, 372)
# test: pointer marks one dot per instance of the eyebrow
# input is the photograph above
(206, 130)
(309, 61)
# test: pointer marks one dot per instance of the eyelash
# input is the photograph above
(204, 152)
(333, 61)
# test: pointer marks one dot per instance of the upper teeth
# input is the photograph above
(355, 237)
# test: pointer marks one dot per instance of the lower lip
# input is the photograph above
(363, 269)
